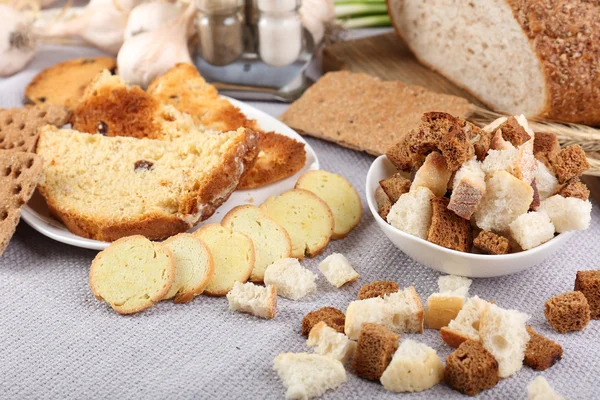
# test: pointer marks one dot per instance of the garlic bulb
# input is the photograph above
(102, 24)
(151, 16)
(148, 55)
(17, 43)
(314, 14)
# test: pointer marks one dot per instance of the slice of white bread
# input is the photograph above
(255, 300)
(414, 367)
(433, 174)
(291, 279)
(532, 229)
(307, 219)
(132, 274)
(400, 312)
(338, 270)
(466, 324)
(545, 181)
(567, 214)
(468, 189)
(233, 254)
(331, 343)
(540, 389)
(340, 196)
(106, 188)
(194, 266)
(271, 240)
(444, 306)
(506, 198)
(412, 212)
(308, 375)
(504, 334)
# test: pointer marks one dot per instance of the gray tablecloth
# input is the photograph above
(58, 342)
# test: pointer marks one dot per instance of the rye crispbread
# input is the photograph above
(19, 174)
(365, 113)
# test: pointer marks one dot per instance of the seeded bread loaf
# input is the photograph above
(556, 49)
(106, 188)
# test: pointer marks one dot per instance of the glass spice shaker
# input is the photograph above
(220, 30)
(279, 31)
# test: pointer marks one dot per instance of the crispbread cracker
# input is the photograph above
(65, 82)
(19, 126)
(19, 174)
(364, 113)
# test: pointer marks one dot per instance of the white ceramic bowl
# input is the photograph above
(452, 261)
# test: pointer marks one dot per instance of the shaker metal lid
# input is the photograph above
(278, 5)
(218, 5)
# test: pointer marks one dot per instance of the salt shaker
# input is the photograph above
(221, 30)
(279, 31)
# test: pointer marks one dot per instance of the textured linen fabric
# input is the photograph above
(58, 342)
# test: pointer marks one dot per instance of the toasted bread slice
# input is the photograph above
(132, 274)
(340, 196)
(194, 266)
(233, 253)
(64, 83)
(184, 88)
(308, 220)
(106, 188)
(271, 240)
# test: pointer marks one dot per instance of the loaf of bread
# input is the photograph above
(251, 299)
(271, 241)
(415, 367)
(308, 375)
(338, 270)
(233, 255)
(555, 49)
(331, 343)
(105, 188)
(291, 279)
(132, 274)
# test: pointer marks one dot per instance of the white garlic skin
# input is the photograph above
(17, 45)
(315, 14)
(148, 17)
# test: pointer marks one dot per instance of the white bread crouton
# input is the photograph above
(545, 181)
(338, 270)
(567, 214)
(540, 389)
(433, 174)
(331, 343)
(468, 189)
(519, 161)
(532, 229)
(254, 300)
(506, 198)
(454, 285)
(503, 333)
(291, 279)
(412, 212)
(308, 375)
(466, 324)
(414, 367)
(444, 306)
(400, 312)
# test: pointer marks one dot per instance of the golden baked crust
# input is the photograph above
(65, 82)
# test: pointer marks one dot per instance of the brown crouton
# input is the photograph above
(541, 353)
(395, 186)
(471, 369)
(574, 188)
(443, 132)
(588, 283)
(570, 163)
(513, 132)
(400, 155)
(535, 203)
(491, 243)
(384, 204)
(448, 229)
(568, 312)
(374, 350)
(545, 146)
(377, 289)
(333, 317)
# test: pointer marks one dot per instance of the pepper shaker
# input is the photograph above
(221, 30)
(279, 31)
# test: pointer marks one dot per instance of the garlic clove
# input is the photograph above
(17, 43)
(150, 17)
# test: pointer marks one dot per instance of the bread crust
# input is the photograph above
(454, 338)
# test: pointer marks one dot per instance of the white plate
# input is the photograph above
(36, 214)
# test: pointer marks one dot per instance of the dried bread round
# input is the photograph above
(271, 241)
(307, 219)
(65, 82)
(132, 274)
(233, 254)
(194, 267)
(340, 196)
